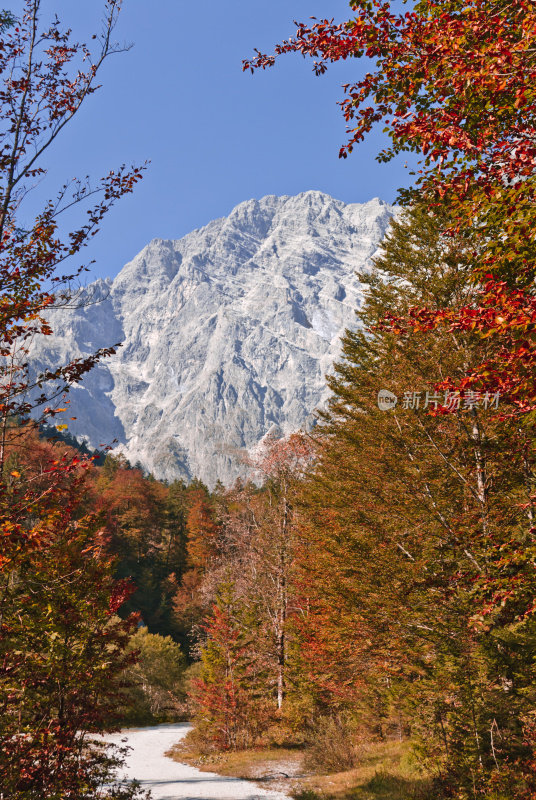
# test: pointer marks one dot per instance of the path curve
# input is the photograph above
(169, 780)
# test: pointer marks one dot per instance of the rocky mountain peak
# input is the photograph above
(226, 333)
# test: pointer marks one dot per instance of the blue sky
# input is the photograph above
(215, 136)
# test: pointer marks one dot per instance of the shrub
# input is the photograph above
(332, 749)
(157, 679)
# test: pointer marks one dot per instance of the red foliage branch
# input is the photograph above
(454, 81)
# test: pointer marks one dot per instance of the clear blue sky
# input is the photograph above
(215, 136)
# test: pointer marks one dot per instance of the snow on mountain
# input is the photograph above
(226, 333)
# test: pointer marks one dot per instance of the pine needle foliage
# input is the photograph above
(403, 524)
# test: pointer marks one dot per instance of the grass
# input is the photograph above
(385, 772)
(247, 764)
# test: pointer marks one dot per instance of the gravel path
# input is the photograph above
(169, 780)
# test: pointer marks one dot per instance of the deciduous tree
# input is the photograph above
(62, 653)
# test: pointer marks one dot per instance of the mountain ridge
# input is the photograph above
(226, 333)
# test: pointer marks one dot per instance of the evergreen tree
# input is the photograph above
(402, 522)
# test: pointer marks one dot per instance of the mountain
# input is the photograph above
(226, 334)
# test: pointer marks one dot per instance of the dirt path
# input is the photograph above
(169, 780)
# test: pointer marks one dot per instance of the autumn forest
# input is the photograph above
(374, 581)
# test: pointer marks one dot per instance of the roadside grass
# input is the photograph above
(385, 771)
(254, 764)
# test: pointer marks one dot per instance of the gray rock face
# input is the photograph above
(226, 333)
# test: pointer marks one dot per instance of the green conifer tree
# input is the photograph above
(401, 524)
